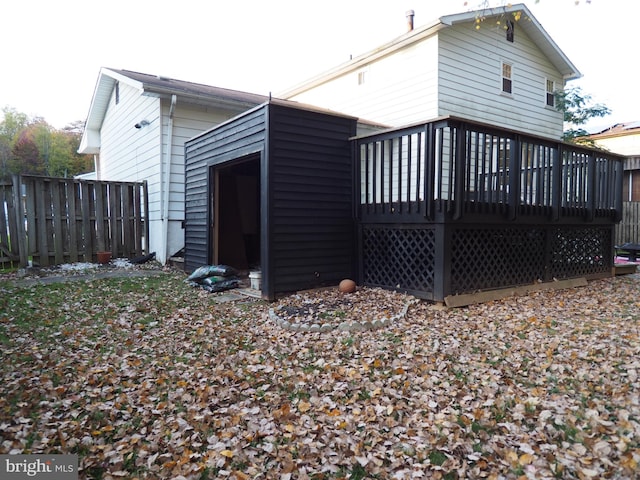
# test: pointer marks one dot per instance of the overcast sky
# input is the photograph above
(52, 50)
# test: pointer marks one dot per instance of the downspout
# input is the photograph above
(167, 181)
(96, 165)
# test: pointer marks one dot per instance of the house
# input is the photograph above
(440, 205)
(464, 65)
(136, 129)
(624, 139)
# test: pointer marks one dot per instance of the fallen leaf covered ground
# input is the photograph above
(147, 377)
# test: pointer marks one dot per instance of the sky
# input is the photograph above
(52, 50)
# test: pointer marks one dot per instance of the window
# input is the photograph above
(361, 77)
(510, 28)
(551, 98)
(506, 77)
(117, 93)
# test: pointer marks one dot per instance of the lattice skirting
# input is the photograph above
(400, 258)
(486, 258)
(480, 257)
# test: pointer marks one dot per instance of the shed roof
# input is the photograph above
(294, 105)
(528, 23)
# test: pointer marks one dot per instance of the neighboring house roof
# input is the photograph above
(623, 139)
(159, 86)
(618, 130)
(527, 22)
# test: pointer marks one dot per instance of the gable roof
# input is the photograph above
(157, 86)
(527, 22)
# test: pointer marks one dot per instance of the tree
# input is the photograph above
(64, 158)
(32, 146)
(10, 128)
(25, 157)
(577, 109)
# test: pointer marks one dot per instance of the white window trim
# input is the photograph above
(504, 62)
(546, 80)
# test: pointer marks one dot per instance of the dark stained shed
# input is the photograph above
(274, 189)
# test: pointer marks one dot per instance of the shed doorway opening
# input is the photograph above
(236, 214)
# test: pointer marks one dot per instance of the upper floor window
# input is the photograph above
(507, 72)
(551, 98)
(117, 93)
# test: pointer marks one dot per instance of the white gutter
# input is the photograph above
(167, 182)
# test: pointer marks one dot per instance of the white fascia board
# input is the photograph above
(90, 142)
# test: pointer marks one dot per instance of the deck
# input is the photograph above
(451, 207)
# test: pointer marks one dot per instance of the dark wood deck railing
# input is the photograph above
(452, 168)
(450, 207)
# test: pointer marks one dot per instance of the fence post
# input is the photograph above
(20, 215)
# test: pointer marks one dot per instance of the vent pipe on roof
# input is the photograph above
(410, 14)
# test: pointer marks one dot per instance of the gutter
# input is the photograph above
(167, 181)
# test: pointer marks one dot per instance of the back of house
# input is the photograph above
(497, 66)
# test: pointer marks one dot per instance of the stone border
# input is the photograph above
(346, 326)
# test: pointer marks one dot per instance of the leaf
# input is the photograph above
(525, 459)
(221, 387)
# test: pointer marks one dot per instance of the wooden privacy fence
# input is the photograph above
(9, 237)
(628, 230)
(51, 221)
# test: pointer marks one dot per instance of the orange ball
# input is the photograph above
(347, 286)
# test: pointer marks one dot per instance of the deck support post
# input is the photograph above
(515, 159)
(442, 262)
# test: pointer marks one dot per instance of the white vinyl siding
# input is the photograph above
(628, 144)
(131, 154)
(398, 89)
(457, 71)
(470, 69)
(128, 153)
(187, 123)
